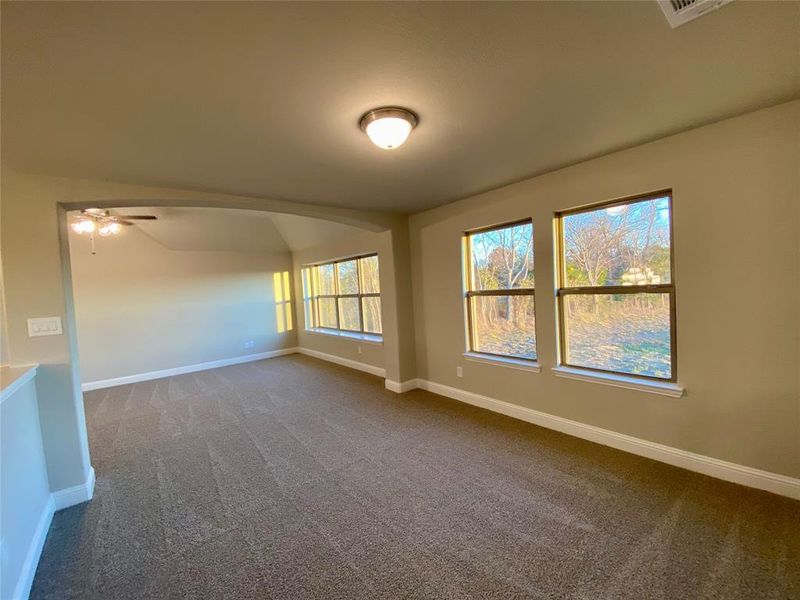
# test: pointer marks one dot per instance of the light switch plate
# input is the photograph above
(44, 326)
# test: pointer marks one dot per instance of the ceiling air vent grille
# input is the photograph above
(679, 12)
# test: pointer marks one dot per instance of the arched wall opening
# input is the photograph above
(38, 282)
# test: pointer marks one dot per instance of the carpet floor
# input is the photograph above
(295, 478)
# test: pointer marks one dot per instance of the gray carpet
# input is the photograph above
(294, 478)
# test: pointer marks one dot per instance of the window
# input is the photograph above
(616, 289)
(499, 291)
(343, 295)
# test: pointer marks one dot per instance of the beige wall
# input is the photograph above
(736, 203)
(363, 243)
(37, 284)
(143, 307)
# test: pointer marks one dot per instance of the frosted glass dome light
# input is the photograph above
(388, 127)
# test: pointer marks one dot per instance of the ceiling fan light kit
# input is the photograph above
(98, 220)
(84, 226)
(109, 229)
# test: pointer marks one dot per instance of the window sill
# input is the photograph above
(349, 335)
(662, 388)
(513, 363)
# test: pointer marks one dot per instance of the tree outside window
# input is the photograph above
(500, 291)
(616, 294)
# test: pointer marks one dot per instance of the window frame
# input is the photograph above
(660, 288)
(315, 296)
(470, 293)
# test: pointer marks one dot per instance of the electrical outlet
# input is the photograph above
(250, 344)
(459, 371)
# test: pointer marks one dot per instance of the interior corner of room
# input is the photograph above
(533, 289)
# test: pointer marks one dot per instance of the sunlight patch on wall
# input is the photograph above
(283, 301)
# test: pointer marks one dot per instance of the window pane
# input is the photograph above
(308, 310)
(372, 314)
(627, 333)
(370, 279)
(348, 314)
(325, 285)
(348, 277)
(502, 258)
(627, 244)
(504, 325)
(327, 312)
(305, 276)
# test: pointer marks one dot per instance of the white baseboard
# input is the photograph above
(28, 571)
(214, 364)
(345, 362)
(401, 387)
(713, 467)
(76, 494)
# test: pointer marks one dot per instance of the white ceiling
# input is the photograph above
(263, 98)
(305, 232)
(222, 229)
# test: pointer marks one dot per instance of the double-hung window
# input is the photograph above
(616, 287)
(499, 298)
(343, 295)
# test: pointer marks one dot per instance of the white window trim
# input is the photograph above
(663, 388)
(369, 338)
(504, 361)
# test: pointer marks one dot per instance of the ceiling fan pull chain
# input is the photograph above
(91, 237)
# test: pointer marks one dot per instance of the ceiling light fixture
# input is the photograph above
(84, 226)
(101, 221)
(388, 127)
(107, 229)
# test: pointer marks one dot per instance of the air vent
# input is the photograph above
(679, 12)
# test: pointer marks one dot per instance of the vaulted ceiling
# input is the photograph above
(204, 229)
(263, 99)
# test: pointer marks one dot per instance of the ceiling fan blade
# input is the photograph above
(121, 218)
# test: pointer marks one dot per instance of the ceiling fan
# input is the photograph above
(99, 220)
(103, 222)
